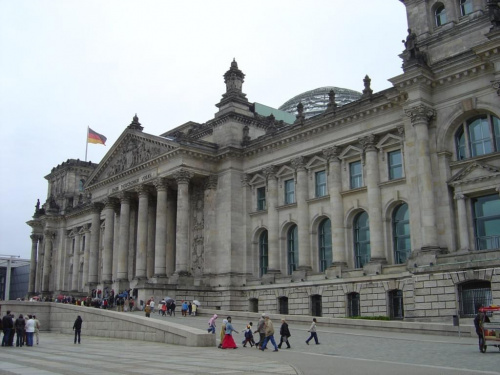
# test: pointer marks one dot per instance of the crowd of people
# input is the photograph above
(265, 329)
(166, 307)
(25, 329)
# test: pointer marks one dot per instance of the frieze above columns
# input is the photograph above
(420, 114)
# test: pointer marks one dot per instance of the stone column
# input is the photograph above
(210, 229)
(116, 243)
(462, 221)
(86, 257)
(75, 257)
(122, 273)
(33, 261)
(182, 241)
(374, 200)
(109, 230)
(47, 259)
(150, 258)
(171, 233)
(420, 118)
(39, 265)
(272, 220)
(161, 228)
(339, 256)
(142, 233)
(303, 213)
(95, 232)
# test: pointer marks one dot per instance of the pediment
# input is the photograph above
(285, 171)
(258, 179)
(316, 162)
(351, 151)
(474, 172)
(389, 140)
(129, 151)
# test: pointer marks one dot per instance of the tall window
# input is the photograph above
(261, 198)
(465, 7)
(487, 222)
(293, 249)
(289, 191)
(325, 244)
(401, 232)
(396, 309)
(316, 305)
(353, 305)
(440, 15)
(395, 161)
(478, 136)
(263, 254)
(355, 175)
(320, 184)
(472, 295)
(80, 185)
(253, 305)
(83, 244)
(361, 240)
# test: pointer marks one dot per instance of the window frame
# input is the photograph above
(462, 4)
(320, 187)
(261, 198)
(358, 261)
(325, 250)
(440, 18)
(263, 253)
(464, 144)
(353, 304)
(396, 304)
(292, 247)
(289, 194)
(391, 167)
(353, 178)
(396, 237)
(479, 226)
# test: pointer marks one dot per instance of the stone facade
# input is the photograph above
(388, 205)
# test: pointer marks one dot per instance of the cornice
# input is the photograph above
(345, 115)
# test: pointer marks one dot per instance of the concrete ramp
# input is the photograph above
(59, 317)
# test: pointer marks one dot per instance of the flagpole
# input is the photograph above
(87, 143)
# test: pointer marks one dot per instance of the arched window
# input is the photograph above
(263, 254)
(472, 295)
(362, 253)
(325, 244)
(353, 304)
(487, 222)
(401, 233)
(440, 15)
(283, 305)
(293, 249)
(396, 309)
(477, 136)
(465, 7)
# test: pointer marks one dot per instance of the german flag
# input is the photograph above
(94, 137)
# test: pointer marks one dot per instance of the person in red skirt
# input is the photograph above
(228, 342)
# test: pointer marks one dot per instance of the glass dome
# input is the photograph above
(316, 101)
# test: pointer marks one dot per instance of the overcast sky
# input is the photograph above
(66, 65)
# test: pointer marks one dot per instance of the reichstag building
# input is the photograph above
(363, 204)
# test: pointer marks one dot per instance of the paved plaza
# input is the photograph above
(341, 351)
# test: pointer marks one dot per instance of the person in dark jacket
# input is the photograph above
(285, 334)
(77, 327)
(19, 324)
(7, 326)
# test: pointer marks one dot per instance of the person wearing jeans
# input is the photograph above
(77, 327)
(269, 335)
(30, 330)
(312, 330)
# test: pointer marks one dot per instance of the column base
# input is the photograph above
(335, 270)
(300, 274)
(181, 278)
(425, 256)
(374, 267)
(270, 276)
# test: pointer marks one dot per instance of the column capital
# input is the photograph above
(211, 182)
(97, 207)
(368, 142)
(245, 180)
(142, 190)
(269, 171)
(420, 114)
(124, 197)
(110, 202)
(182, 176)
(459, 196)
(49, 234)
(161, 184)
(298, 163)
(332, 153)
(36, 237)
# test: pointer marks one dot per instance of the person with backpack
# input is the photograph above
(248, 336)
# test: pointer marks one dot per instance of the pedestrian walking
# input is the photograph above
(152, 305)
(248, 336)
(479, 320)
(269, 335)
(37, 329)
(261, 329)
(77, 327)
(313, 332)
(285, 334)
(184, 308)
(228, 342)
(222, 332)
(147, 310)
(211, 324)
